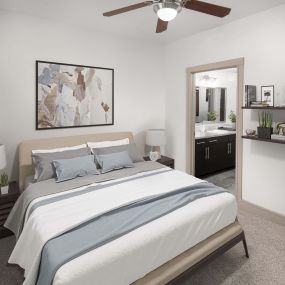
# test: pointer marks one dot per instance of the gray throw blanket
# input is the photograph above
(15, 220)
(113, 224)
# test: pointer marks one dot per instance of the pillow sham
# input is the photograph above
(114, 161)
(59, 149)
(71, 168)
(43, 161)
(132, 149)
(108, 143)
(54, 150)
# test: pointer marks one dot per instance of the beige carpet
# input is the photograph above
(266, 265)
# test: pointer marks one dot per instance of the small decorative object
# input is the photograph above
(154, 155)
(4, 182)
(250, 132)
(155, 138)
(233, 118)
(265, 129)
(280, 129)
(69, 96)
(267, 95)
(259, 104)
(250, 94)
(278, 137)
(212, 116)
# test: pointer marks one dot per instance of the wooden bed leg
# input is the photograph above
(245, 246)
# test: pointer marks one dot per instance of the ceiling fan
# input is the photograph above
(167, 10)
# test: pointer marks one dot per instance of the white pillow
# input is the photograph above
(58, 149)
(36, 176)
(108, 143)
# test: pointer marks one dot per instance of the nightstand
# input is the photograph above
(7, 202)
(167, 161)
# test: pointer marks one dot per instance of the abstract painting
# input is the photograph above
(70, 96)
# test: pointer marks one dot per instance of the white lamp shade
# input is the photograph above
(166, 14)
(156, 137)
(3, 161)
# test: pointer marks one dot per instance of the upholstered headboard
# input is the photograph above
(26, 147)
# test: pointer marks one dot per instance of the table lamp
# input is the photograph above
(4, 176)
(3, 161)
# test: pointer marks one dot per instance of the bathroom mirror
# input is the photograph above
(210, 104)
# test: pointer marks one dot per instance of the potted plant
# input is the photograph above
(4, 183)
(212, 116)
(233, 118)
(265, 129)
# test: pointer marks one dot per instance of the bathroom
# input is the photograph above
(215, 127)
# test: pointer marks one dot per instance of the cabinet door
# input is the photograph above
(201, 159)
(217, 154)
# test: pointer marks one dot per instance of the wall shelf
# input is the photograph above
(255, 138)
(263, 108)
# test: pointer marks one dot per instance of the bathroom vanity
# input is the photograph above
(214, 152)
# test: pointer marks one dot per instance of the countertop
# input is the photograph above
(214, 133)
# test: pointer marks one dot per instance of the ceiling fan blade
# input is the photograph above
(128, 8)
(207, 8)
(161, 26)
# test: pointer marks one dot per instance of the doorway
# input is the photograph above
(214, 123)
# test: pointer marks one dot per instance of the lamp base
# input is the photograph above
(157, 149)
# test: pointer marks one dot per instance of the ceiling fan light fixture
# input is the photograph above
(166, 14)
(167, 10)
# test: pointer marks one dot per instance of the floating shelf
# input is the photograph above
(255, 138)
(263, 108)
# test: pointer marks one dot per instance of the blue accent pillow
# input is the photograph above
(132, 149)
(114, 161)
(71, 168)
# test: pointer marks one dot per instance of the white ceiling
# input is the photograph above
(136, 24)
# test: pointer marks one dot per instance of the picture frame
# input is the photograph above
(267, 95)
(72, 95)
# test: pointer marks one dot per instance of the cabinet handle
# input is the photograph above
(200, 142)
(230, 148)
(208, 153)
(213, 141)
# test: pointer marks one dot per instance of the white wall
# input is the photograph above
(260, 39)
(139, 88)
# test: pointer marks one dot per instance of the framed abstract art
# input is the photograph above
(69, 96)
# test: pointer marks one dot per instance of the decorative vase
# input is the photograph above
(264, 133)
(4, 190)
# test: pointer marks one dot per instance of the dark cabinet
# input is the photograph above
(214, 154)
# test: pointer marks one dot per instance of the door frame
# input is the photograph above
(191, 115)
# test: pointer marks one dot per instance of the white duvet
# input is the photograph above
(132, 256)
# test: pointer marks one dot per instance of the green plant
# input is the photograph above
(212, 116)
(265, 120)
(232, 117)
(4, 181)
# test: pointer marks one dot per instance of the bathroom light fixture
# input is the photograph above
(167, 10)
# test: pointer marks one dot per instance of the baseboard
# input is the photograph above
(260, 211)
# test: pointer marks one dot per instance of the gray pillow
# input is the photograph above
(71, 168)
(43, 161)
(113, 161)
(132, 149)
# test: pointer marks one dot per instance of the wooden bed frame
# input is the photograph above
(177, 269)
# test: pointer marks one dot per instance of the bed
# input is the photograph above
(161, 251)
